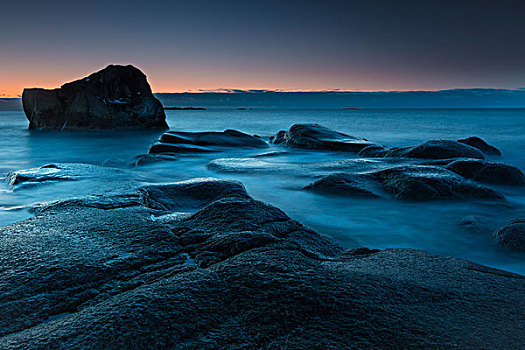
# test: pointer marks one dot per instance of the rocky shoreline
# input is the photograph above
(201, 264)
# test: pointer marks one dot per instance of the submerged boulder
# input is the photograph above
(315, 136)
(236, 273)
(512, 235)
(414, 183)
(433, 149)
(115, 97)
(488, 172)
(45, 173)
(480, 144)
(59, 172)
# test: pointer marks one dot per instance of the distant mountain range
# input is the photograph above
(262, 99)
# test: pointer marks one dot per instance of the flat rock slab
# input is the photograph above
(227, 138)
(235, 273)
(261, 165)
(170, 148)
(204, 142)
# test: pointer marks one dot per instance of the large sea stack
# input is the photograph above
(117, 97)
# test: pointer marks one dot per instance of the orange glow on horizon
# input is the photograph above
(194, 79)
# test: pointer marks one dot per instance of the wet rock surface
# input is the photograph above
(480, 144)
(51, 173)
(204, 142)
(166, 148)
(236, 273)
(117, 97)
(227, 138)
(512, 235)
(415, 183)
(433, 149)
(263, 165)
(315, 136)
(488, 172)
(145, 159)
(195, 193)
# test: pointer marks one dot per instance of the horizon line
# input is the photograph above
(234, 91)
(230, 90)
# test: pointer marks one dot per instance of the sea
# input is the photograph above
(436, 227)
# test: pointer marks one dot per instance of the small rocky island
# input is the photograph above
(117, 97)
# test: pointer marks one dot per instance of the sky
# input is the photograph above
(280, 45)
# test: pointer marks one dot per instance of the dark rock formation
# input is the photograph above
(115, 97)
(374, 151)
(203, 142)
(145, 159)
(278, 138)
(488, 172)
(512, 235)
(348, 184)
(191, 194)
(315, 136)
(160, 147)
(227, 138)
(472, 223)
(236, 273)
(434, 149)
(415, 183)
(480, 144)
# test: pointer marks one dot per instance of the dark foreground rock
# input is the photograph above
(115, 97)
(203, 142)
(488, 172)
(315, 136)
(434, 149)
(235, 273)
(480, 144)
(512, 235)
(415, 183)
